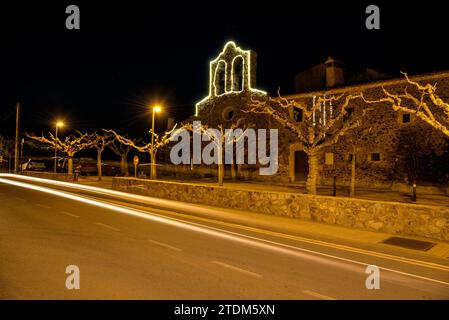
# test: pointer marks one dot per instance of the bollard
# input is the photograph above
(414, 192)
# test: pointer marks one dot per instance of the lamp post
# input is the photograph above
(58, 124)
(156, 109)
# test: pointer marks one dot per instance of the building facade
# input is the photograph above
(388, 147)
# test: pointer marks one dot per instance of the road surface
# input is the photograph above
(127, 250)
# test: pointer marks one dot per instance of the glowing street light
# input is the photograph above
(59, 124)
(156, 109)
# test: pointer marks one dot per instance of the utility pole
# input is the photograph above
(16, 150)
(21, 153)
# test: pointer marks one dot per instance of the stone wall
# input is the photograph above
(383, 132)
(49, 175)
(389, 217)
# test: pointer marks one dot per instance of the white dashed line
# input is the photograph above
(164, 245)
(249, 273)
(42, 206)
(318, 295)
(106, 226)
(70, 214)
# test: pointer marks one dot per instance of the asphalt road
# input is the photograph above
(129, 252)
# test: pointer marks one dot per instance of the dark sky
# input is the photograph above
(130, 54)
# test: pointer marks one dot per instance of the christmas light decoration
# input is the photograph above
(230, 48)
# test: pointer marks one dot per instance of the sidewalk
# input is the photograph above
(361, 193)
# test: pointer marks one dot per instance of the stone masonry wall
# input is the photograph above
(385, 127)
(389, 217)
(48, 175)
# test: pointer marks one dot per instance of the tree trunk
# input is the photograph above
(70, 165)
(352, 190)
(220, 174)
(153, 171)
(220, 166)
(234, 165)
(99, 165)
(233, 171)
(124, 165)
(313, 173)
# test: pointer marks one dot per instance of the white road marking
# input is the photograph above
(224, 234)
(42, 206)
(164, 245)
(318, 295)
(69, 214)
(225, 265)
(20, 199)
(106, 226)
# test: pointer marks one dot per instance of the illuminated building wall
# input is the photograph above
(232, 85)
(382, 152)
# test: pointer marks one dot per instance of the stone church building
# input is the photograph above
(390, 146)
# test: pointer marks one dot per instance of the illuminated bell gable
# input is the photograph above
(232, 72)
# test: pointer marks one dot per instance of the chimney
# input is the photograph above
(170, 123)
(334, 73)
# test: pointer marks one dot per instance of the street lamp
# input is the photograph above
(156, 109)
(58, 125)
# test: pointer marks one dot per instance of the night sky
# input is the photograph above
(128, 55)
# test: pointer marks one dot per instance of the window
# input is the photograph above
(375, 156)
(329, 158)
(228, 114)
(297, 115)
(350, 156)
(406, 118)
(348, 114)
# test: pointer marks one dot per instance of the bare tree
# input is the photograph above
(313, 131)
(357, 141)
(122, 150)
(421, 157)
(150, 148)
(425, 103)
(224, 136)
(368, 134)
(100, 142)
(6, 147)
(71, 145)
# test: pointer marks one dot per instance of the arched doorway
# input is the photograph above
(298, 163)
